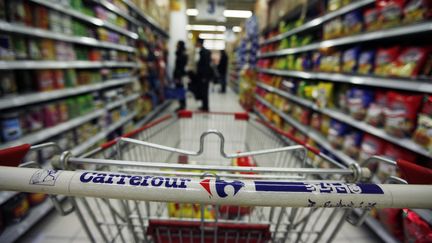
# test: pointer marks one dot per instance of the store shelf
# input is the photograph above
(147, 19)
(82, 148)
(152, 114)
(391, 83)
(21, 100)
(377, 228)
(319, 21)
(41, 33)
(340, 116)
(113, 8)
(15, 231)
(83, 17)
(46, 133)
(121, 102)
(5, 65)
(354, 39)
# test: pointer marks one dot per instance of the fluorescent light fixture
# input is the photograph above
(190, 36)
(214, 44)
(227, 13)
(236, 29)
(208, 36)
(237, 14)
(191, 12)
(198, 27)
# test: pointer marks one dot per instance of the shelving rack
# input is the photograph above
(135, 19)
(418, 85)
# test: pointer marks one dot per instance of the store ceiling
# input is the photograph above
(231, 5)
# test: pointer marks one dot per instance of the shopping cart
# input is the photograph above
(209, 177)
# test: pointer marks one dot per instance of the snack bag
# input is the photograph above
(409, 62)
(333, 5)
(391, 12)
(353, 23)
(416, 229)
(401, 113)
(371, 19)
(325, 124)
(423, 133)
(342, 97)
(336, 133)
(316, 121)
(417, 10)
(349, 60)
(366, 62)
(359, 101)
(375, 112)
(371, 146)
(352, 143)
(383, 60)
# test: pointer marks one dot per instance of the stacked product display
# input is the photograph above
(354, 84)
(77, 73)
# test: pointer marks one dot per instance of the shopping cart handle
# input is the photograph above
(13, 156)
(413, 173)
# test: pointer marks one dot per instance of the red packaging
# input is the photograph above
(410, 61)
(371, 19)
(375, 113)
(401, 113)
(384, 59)
(416, 229)
(391, 12)
(59, 82)
(423, 133)
(394, 153)
(41, 17)
(391, 218)
(45, 81)
(371, 146)
(50, 115)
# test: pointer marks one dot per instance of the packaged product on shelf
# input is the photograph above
(350, 60)
(333, 5)
(50, 115)
(6, 51)
(341, 98)
(323, 94)
(70, 78)
(20, 48)
(333, 29)
(325, 124)
(41, 17)
(409, 62)
(16, 208)
(62, 110)
(391, 12)
(352, 143)
(34, 50)
(33, 119)
(366, 62)
(371, 146)
(371, 19)
(10, 126)
(417, 10)
(353, 23)
(20, 12)
(331, 63)
(48, 49)
(391, 219)
(401, 113)
(55, 21)
(94, 55)
(59, 80)
(423, 133)
(383, 60)
(3, 16)
(336, 133)
(415, 228)
(35, 199)
(359, 100)
(45, 81)
(72, 108)
(316, 61)
(316, 121)
(8, 84)
(66, 24)
(375, 113)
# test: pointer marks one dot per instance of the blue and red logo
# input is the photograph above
(220, 186)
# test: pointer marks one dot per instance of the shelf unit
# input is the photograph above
(338, 115)
(420, 28)
(33, 65)
(152, 114)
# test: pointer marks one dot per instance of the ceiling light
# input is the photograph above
(236, 29)
(191, 12)
(214, 44)
(198, 27)
(212, 36)
(237, 14)
(227, 13)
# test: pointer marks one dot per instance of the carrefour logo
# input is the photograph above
(220, 186)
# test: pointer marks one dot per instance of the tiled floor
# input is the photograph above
(54, 228)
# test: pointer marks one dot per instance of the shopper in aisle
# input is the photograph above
(222, 69)
(204, 73)
(179, 70)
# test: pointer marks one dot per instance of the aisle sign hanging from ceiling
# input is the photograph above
(210, 10)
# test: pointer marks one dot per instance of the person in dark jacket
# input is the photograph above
(204, 73)
(179, 70)
(222, 70)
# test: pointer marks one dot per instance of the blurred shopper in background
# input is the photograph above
(222, 70)
(204, 73)
(179, 70)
